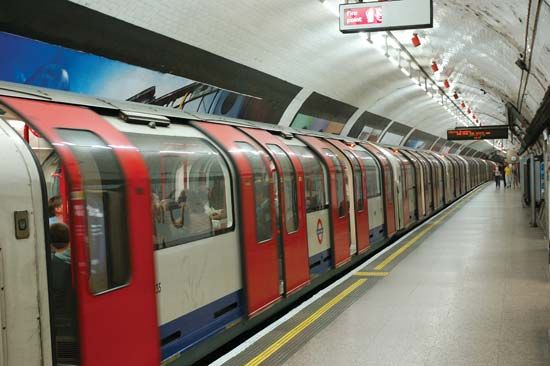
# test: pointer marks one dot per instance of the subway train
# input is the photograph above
(142, 235)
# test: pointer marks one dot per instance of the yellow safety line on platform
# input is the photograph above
(371, 274)
(406, 246)
(304, 324)
(418, 236)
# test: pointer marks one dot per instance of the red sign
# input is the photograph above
(362, 16)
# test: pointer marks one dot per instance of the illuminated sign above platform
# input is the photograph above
(386, 15)
(478, 133)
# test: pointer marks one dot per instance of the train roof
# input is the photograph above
(116, 106)
(112, 106)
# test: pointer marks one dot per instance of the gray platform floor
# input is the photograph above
(475, 292)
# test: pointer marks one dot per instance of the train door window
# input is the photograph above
(191, 187)
(315, 179)
(373, 174)
(105, 195)
(340, 188)
(357, 182)
(257, 159)
(411, 175)
(289, 184)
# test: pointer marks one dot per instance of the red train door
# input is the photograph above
(292, 211)
(360, 196)
(256, 212)
(339, 207)
(428, 185)
(388, 188)
(416, 167)
(405, 184)
(113, 269)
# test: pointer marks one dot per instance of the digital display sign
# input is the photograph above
(386, 15)
(478, 133)
(361, 16)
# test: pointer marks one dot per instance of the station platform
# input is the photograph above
(468, 287)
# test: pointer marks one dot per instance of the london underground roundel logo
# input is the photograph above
(320, 231)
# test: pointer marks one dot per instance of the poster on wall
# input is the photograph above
(41, 64)
(312, 123)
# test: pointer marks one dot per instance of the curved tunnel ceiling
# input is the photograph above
(475, 43)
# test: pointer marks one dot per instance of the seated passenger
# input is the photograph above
(62, 287)
(55, 210)
(199, 220)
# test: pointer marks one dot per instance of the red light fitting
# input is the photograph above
(469, 111)
(446, 84)
(462, 105)
(435, 68)
(415, 40)
(455, 95)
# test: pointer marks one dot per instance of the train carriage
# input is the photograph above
(184, 231)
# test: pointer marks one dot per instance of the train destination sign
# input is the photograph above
(478, 133)
(386, 15)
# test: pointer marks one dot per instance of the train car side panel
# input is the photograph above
(23, 308)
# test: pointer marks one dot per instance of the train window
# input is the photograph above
(357, 182)
(262, 197)
(373, 174)
(339, 177)
(191, 187)
(105, 195)
(289, 183)
(315, 179)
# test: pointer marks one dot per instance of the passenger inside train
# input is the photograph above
(55, 208)
(62, 285)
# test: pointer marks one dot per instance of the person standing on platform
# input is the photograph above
(497, 176)
(502, 176)
(515, 175)
(508, 176)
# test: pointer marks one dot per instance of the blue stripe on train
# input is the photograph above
(321, 262)
(376, 234)
(189, 329)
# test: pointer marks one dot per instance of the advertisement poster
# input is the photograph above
(31, 62)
